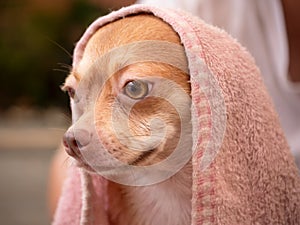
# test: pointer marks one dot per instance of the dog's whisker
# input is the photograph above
(62, 70)
(66, 66)
(67, 161)
(60, 47)
(58, 129)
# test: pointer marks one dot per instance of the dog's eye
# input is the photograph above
(71, 92)
(136, 89)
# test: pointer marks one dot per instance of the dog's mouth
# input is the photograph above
(79, 160)
(83, 165)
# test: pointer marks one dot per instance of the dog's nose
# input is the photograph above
(73, 141)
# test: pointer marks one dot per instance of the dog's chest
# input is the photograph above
(167, 203)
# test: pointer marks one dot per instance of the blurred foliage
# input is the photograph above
(35, 49)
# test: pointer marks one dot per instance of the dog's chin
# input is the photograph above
(85, 166)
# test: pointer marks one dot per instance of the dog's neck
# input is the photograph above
(168, 202)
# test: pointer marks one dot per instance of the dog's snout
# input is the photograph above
(73, 141)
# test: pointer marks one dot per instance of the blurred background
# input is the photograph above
(36, 42)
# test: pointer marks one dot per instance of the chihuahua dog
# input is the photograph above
(122, 115)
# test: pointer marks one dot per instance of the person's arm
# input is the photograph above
(57, 175)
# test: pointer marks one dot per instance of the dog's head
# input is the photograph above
(130, 95)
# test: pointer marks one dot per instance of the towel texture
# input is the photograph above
(245, 175)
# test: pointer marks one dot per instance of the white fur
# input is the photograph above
(165, 203)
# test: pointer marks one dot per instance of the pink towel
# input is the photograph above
(243, 171)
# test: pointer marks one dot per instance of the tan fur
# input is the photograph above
(165, 203)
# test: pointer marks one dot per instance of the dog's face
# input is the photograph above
(135, 110)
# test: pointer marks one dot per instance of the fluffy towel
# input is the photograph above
(243, 171)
